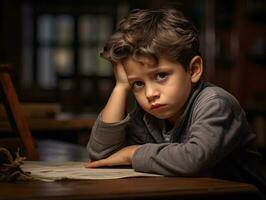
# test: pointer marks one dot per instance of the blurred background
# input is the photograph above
(62, 83)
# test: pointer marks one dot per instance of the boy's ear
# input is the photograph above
(195, 69)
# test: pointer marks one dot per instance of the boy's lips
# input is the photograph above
(156, 106)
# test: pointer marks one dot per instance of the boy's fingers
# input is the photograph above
(86, 163)
(93, 164)
(98, 163)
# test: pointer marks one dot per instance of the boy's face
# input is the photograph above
(161, 89)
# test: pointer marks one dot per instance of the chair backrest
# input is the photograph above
(15, 115)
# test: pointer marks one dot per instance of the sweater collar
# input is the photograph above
(157, 127)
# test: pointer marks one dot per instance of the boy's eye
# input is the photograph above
(138, 84)
(161, 76)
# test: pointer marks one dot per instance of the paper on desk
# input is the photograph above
(53, 171)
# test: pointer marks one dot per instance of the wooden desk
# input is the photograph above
(130, 188)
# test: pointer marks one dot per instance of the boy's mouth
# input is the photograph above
(156, 106)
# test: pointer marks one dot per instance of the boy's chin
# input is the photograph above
(162, 117)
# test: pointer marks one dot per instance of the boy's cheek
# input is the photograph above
(140, 100)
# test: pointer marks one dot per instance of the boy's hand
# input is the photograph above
(120, 75)
(121, 157)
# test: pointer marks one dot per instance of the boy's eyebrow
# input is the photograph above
(132, 78)
(150, 72)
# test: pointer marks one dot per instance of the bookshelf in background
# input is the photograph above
(232, 33)
(61, 47)
(217, 24)
(254, 60)
(254, 54)
(240, 51)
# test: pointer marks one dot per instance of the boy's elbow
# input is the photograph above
(190, 167)
(188, 171)
(195, 166)
(191, 171)
(98, 152)
(94, 155)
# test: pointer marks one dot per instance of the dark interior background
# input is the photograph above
(54, 46)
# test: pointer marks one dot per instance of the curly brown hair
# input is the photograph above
(153, 33)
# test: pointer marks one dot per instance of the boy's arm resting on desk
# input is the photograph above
(106, 138)
(122, 157)
(108, 133)
(216, 131)
(205, 145)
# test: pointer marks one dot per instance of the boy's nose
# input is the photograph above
(152, 94)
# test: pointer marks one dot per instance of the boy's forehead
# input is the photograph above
(145, 61)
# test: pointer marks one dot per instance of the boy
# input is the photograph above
(181, 126)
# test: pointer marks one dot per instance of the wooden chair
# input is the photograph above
(15, 115)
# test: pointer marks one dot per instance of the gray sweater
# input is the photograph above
(212, 138)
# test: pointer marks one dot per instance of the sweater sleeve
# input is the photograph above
(216, 130)
(106, 138)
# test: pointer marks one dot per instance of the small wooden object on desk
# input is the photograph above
(14, 112)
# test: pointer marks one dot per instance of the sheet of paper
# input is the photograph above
(52, 171)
